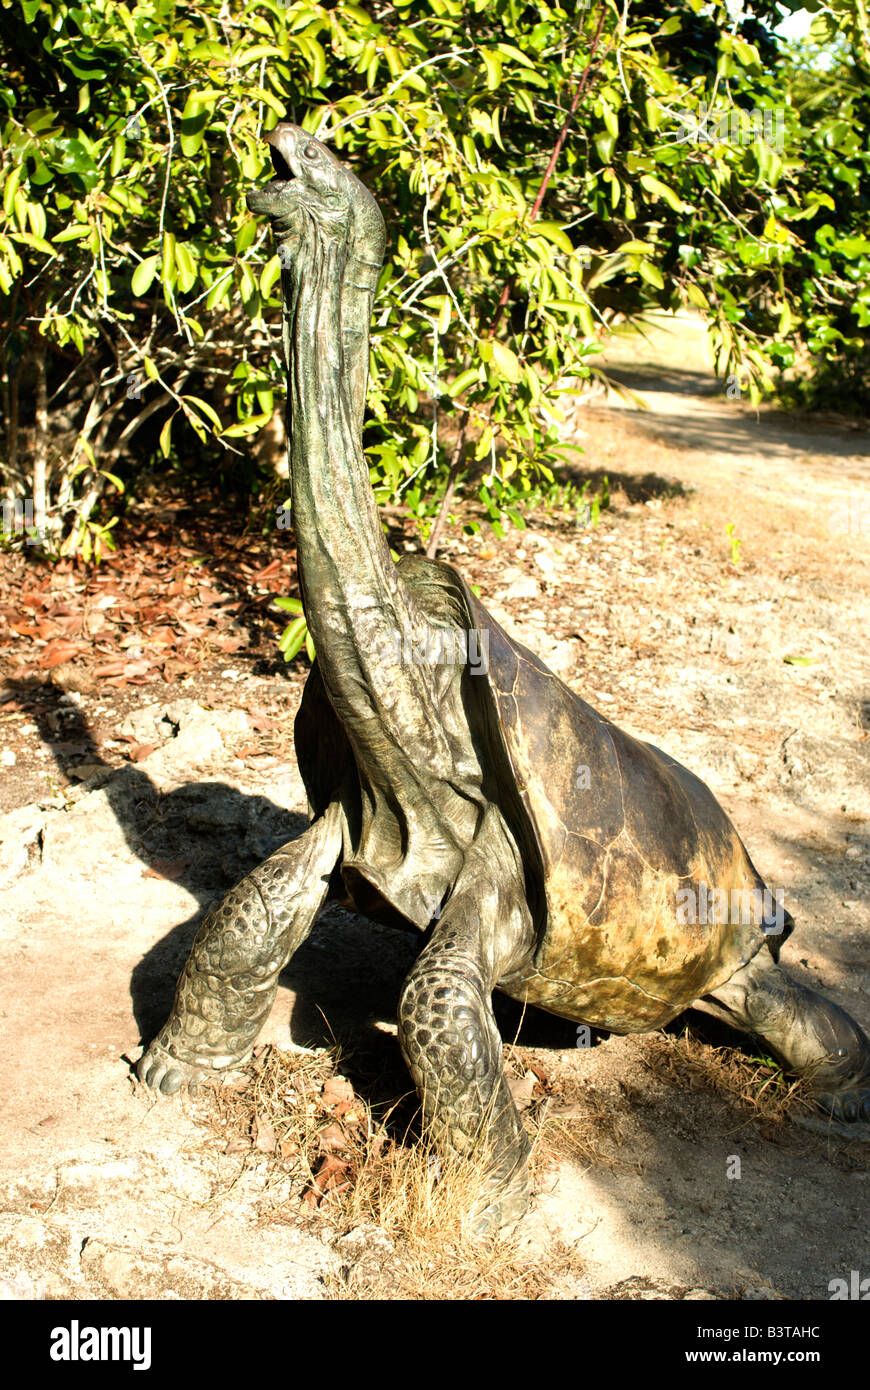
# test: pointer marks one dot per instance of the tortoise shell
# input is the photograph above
(611, 830)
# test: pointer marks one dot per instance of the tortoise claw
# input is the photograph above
(502, 1211)
(166, 1074)
(849, 1107)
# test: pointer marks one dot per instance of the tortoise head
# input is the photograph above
(309, 180)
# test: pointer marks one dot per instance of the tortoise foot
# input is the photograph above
(502, 1209)
(849, 1106)
(161, 1070)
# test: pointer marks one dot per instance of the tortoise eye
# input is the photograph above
(310, 152)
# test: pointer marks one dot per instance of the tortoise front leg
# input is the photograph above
(229, 983)
(452, 1045)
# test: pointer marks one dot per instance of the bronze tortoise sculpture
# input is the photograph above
(534, 846)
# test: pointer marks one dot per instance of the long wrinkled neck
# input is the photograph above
(358, 609)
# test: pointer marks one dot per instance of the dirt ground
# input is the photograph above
(720, 608)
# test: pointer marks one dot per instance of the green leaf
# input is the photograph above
(556, 234)
(78, 229)
(747, 53)
(271, 273)
(292, 638)
(186, 266)
(604, 147)
(245, 235)
(244, 427)
(144, 274)
(11, 188)
(493, 65)
(71, 157)
(463, 381)
(195, 119)
(166, 435)
(37, 243)
(207, 410)
(661, 190)
(510, 51)
(610, 120)
(506, 360)
(651, 274)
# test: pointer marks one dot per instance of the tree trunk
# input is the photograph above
(40, 440)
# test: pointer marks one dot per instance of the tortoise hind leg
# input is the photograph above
(448, 1032)
(229, 983)
(809, 1036)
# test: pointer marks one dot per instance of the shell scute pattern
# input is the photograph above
(619, 827)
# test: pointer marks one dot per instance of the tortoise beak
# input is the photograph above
(283, 143)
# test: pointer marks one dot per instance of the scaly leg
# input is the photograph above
(448, 1033)
(229, 983)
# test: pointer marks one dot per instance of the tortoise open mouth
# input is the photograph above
(283, 173)
(282, 143)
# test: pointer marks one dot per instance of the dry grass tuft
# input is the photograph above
(575, 1133)
(398, 1215)
(757, 1088)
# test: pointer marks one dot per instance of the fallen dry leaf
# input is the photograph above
(166, 868)
(265, 1140)
(522, 1089)
(542, 1075)
(333, 1139)
(138, 752)
(260, 722)
(335, 1091)
(333, 1175)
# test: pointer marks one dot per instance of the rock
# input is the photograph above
(20, 842)
(148, 724)
(561, 657)
(524, 586)
(29, 1233)
(827, 771)
(157, 1273)
(115, 1268)
(522, 1088)
(85, 771)
(100, 1174)
(364, 1238)
(66, 676)
(545, 562)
